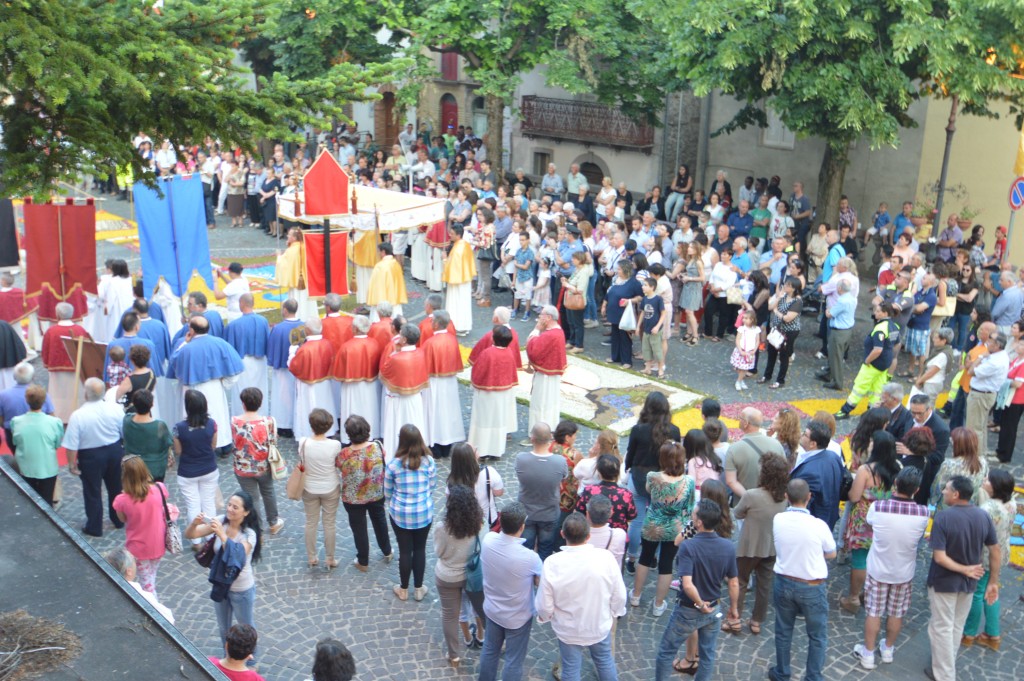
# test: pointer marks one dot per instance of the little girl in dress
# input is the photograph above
(748, 336)
(542, 289)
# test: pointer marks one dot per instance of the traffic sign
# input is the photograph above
(1017, 194)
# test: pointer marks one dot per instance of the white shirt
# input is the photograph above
(151, 599)
(893, 555)
(234, 290)
(207, 171)
(94, 424)
(485, 499)
(609, 538)
(581, 591)
(722, 277)
(801, 542)
(990, 374)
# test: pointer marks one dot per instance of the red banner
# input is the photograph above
(60, 254)
(316, 279)
(325, 186)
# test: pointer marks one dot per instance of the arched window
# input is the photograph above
(594, 175)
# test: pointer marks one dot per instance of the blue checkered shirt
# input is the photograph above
(408, 493)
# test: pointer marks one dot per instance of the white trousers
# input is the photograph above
(200, 496)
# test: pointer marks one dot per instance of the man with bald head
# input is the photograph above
(93, 445)
(540, 474)
(743, 459)
(248, 335)
(210, 365)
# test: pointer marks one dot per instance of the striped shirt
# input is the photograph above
(408, 493)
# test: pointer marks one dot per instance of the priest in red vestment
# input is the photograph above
(60, 366)
(356, 368)
(444, 363)
(311, 365)
(14, 307)
(502, 315)
(432, 304)
(337, 326)
(545, 349)
(381, 330)
(406, 384)
(494, 379)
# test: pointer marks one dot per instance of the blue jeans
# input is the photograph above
(590, 311)
(674, 205)
(961, 325)
(791, 598)
(516, 642)
(684, 622)
(637, 524)
(543, 532)
(600, 653)
(241, 605)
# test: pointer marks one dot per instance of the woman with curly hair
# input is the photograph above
(966, 462)
(755, 552)
(565, 446)
(786, 429)
(455, 540)
(873, 481)
(653, 429)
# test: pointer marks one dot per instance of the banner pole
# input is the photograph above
(60, 254)
(78, 373)
(1009, 237)
(327, 254)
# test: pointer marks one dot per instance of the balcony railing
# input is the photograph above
(585, 122)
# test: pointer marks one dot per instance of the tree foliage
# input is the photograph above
(83, 76)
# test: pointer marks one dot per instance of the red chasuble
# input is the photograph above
(55, 357)
(427, 329)
(487, 341)
(14, 307)
(312, 361)
(443, 356)
(338, 330)
(381, 332)
(546, 352)
(357, 360)
(494, 370)
(405, 373)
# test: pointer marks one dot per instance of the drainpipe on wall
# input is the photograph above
(679, 130)
(704, 140)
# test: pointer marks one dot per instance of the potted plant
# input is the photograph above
(923, 211)
(967, 215)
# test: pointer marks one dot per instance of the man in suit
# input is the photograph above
(900, 420)
(923, 415)
(823, 472)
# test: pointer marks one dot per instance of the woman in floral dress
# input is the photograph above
(1001, 508)
(565, 445)
(966, 462)
(672, 494)
(362, 490)
(873, 481)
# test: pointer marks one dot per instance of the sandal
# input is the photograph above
(313, 562)
(732, 626)
(686, 666)
(692, 342)
(755, 627)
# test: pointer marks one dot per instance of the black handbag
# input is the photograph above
(206, 554)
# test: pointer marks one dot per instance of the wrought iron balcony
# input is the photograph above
(586, 122)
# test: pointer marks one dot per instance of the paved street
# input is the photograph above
(393, 640)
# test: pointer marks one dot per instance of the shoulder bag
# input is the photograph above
(574, 300)
(297, 479)
(475, 571)
(172, 535)
(278, 468)
(206, 554)
(494, 525)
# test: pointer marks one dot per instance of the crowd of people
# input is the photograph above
(372, 401)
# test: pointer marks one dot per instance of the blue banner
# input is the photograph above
(172, 233)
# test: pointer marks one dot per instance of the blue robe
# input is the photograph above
(205, 358)
(155, 312)
(156, 331)
(216, 328)
(280, 343)
(127, 343)
(248, 335)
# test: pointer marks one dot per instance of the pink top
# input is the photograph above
(1016, 373)
(144, 526)
(700, 470)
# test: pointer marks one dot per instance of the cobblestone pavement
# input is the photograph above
(296, 606)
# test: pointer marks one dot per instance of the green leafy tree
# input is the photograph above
(592, 46)
(82, 77)
(843, 70)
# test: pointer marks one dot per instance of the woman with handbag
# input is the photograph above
(141, 377)
(253, 436)
(485, 482)
(195, 442)
(321, 490)
(575, 290)
(362, 489)
(456, 540)
(146, 436)
(785, 327)
(624, 290)
(140, 506)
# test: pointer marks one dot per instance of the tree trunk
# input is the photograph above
(940, 194)
(495, 108)
(830, 183)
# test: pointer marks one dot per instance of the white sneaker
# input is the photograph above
(743, 384)
(634, 601)
(886, 652)
(738, 385)
(820, 355)
(659, 610)
(864, 656)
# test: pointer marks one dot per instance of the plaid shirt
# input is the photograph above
(116, 372)
(408, 493)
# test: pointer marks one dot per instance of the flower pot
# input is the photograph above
(963, 224)
(917, 222)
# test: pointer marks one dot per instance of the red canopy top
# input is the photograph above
(325, 185)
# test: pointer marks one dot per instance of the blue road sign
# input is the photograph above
(1017, 194)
